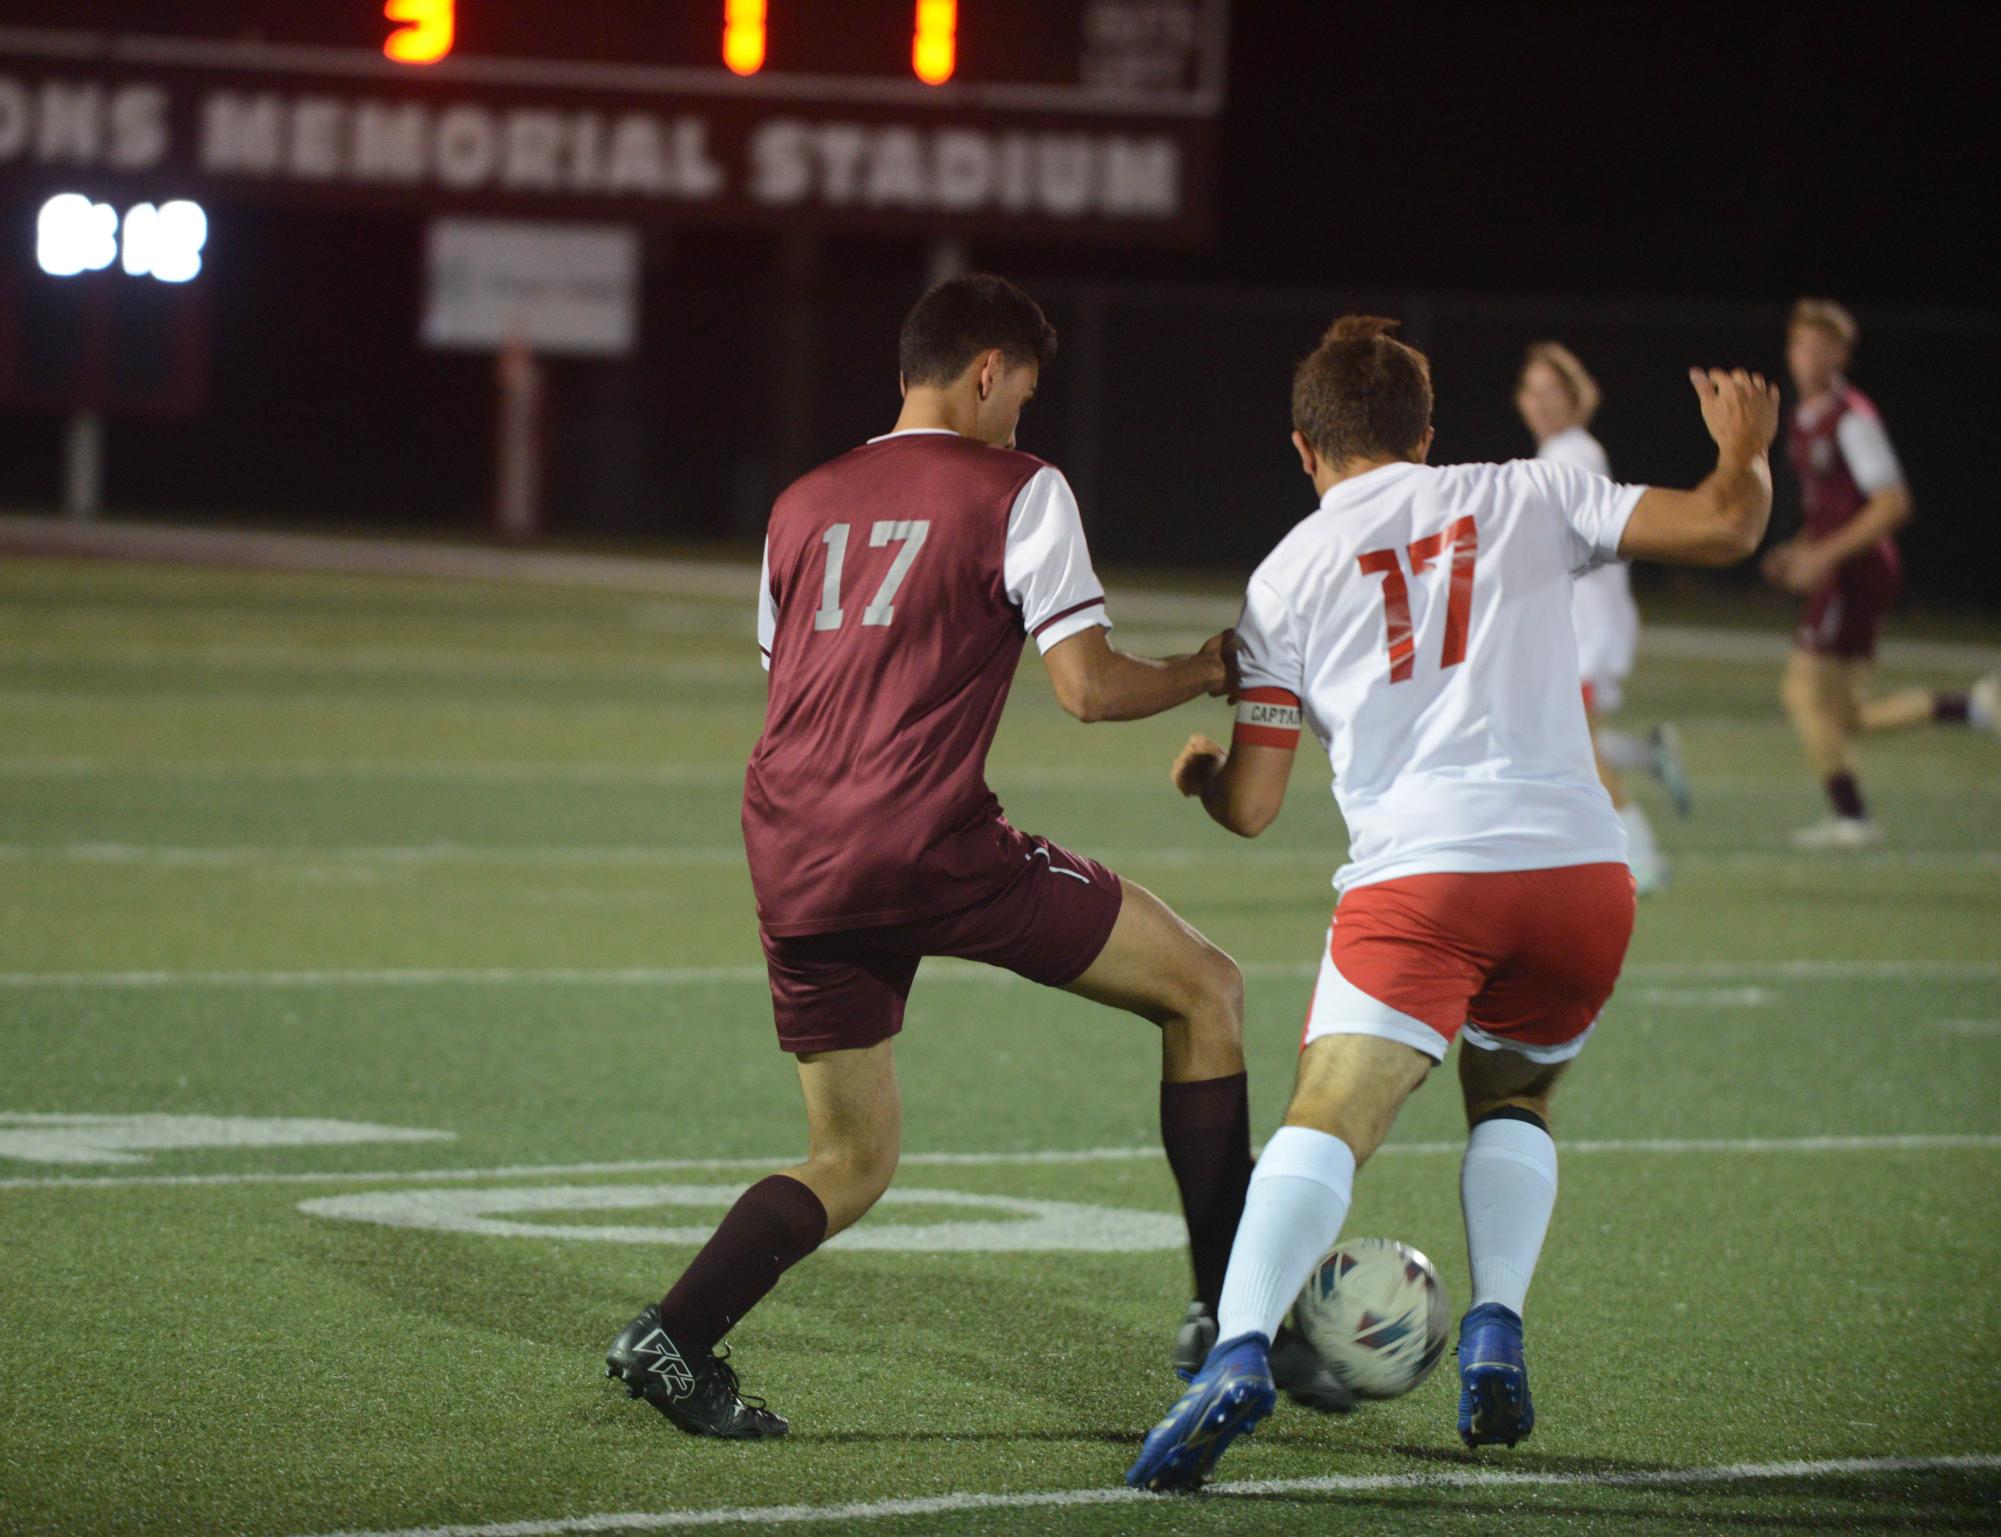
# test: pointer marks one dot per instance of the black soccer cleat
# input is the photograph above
(1296, 1368)
(698, 1393)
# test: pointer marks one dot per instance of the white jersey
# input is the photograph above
(1420, 621)
(1602, 606)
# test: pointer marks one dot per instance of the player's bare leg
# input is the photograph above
(1507, 1191)
(1351, 1087)
(1932, 707)
(1159, 967)
(854, 1129)
(854, 1123)
(1823, 696)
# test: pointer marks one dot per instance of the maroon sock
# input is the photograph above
(1845, 795)
(1206, 1127)
(1949, 709)
(774, 1225)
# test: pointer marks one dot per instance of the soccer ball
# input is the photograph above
(1376, 1314)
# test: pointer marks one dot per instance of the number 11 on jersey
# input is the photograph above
(1463, 537)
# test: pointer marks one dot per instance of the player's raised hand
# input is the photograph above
(1740, 409)
(1198, 764)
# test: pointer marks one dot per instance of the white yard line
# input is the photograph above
(730, 856)
(1046, 1499)
(1748, 973)
(1919, 1142)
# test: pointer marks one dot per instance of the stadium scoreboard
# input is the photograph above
(1090, 118)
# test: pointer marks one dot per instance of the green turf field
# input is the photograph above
(463, 860)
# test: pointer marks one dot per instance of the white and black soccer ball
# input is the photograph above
(1376, 1313)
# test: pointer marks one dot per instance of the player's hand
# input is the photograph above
(1223, 647)
(1778, 560)
(1805, 569)
(1200, 761)
(1740, 409)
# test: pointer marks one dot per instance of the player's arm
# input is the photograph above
(1809, 562)
(1723, 519)
(1049, 576)
(1096, 681)
(1243, 789)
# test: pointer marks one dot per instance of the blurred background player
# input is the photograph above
(1557, 398)
(1844, 562)
(1413, 622)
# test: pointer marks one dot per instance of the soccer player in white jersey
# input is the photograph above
(1419, 623)
(1557, 398)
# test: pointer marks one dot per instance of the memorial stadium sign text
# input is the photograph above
(573, 152)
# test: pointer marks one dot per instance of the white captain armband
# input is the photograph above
(1267, 717)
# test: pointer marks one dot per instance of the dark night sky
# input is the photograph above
(1746, 151)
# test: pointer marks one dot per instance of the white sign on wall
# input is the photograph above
(560, 288)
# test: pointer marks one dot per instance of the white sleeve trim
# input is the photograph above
(767, 609)
(1047, 565)
(1865, 445)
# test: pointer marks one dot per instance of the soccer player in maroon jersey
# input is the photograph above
(900, 583)
(1844, 562)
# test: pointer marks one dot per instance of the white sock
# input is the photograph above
(1624, 751)
(1507, 1189)
(1293, 1212)
(1642, 853)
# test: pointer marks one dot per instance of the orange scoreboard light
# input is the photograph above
(811, 35)
(934, 45)
(425, 33)
(743, 36)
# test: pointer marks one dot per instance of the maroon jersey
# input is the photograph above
(1830, 492)
(901, 580)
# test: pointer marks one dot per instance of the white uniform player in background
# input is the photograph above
(1419, 623)
(1557, 398)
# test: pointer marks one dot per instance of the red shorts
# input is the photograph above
(1845, 616)
(1046, 921)
(1522, 959)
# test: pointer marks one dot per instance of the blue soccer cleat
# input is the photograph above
(1227, 1399)
(1494, 1404)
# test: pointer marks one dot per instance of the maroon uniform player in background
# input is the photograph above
(1844, 562)
(900, 583)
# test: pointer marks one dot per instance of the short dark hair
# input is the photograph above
(1362, 394)
(964, 317)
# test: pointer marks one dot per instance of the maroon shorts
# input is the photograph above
(1046, 921)
(1845, 616)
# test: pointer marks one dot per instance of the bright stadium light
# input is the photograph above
(166, 241)
(934, 48)
(743, 36)
(425, 35)
(74, 235)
